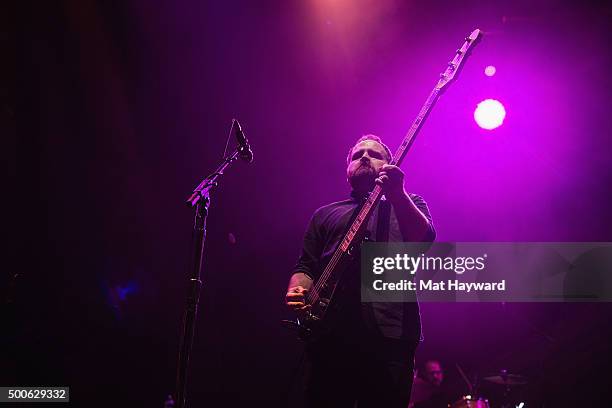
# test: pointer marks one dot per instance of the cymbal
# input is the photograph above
(507, 379)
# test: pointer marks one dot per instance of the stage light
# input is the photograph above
(489, 114)
(490, 70)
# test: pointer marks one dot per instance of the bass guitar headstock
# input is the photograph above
(457, 62)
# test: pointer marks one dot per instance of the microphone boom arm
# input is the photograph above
(203, 189)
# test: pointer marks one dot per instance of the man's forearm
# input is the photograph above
(413, 224)
(300, 279)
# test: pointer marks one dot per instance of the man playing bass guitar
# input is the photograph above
(367, 356)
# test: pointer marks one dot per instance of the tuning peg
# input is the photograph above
(459, 51)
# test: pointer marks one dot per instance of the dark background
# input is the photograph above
(124, 106)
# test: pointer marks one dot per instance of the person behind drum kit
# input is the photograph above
(428, 390)
(433, 373)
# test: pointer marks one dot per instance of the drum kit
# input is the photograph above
(467, 401)
(502, 378)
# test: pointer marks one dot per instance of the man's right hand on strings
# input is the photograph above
(296, 299)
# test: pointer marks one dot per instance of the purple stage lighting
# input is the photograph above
(490, 70)
(489, 114)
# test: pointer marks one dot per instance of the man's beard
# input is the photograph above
(363, 178)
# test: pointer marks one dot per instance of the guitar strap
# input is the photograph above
(384, 215)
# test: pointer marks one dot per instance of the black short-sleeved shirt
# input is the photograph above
(323, 234)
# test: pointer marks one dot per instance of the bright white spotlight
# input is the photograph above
(489, 114)
(490, 70)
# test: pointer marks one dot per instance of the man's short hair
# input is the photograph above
(369, 137)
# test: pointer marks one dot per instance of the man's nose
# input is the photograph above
(364, 158)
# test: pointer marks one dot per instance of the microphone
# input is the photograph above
(244, 149)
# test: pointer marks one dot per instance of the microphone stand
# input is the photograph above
(200, 200)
